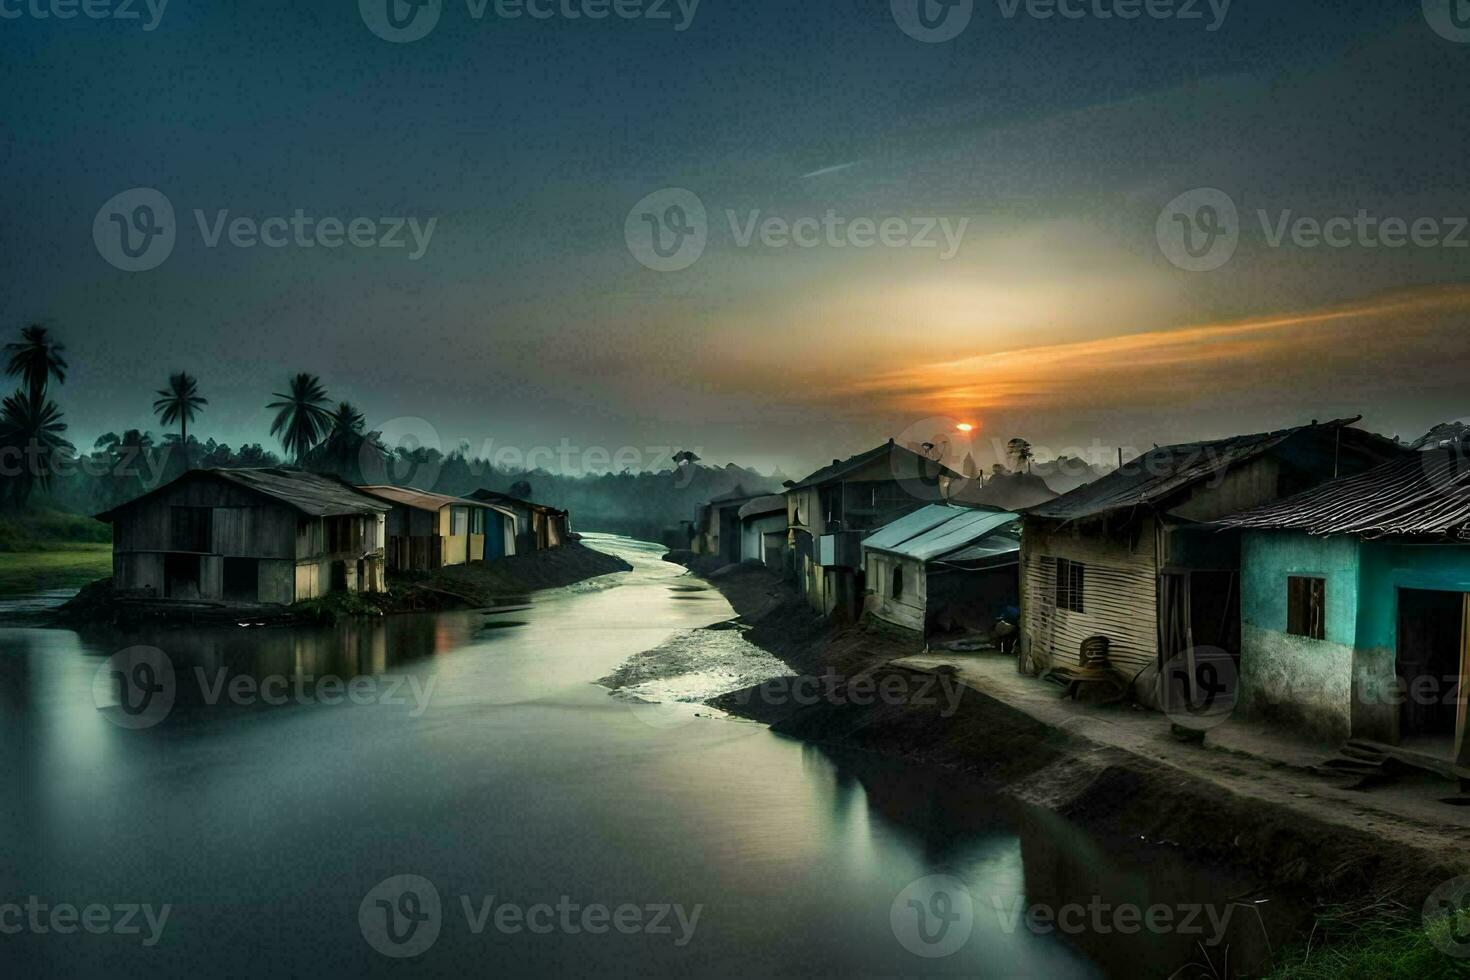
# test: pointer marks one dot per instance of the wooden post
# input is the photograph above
(1462, 744)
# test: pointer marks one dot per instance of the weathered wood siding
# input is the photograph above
(908, 610)
(1120, 595)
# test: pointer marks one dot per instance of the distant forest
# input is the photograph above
(40, 469)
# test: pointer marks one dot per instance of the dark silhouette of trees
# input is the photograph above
(36, 359)
(180, 402)
(31, 437)
(301, 418)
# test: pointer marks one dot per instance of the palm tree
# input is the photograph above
(36, 359)
(343, 436)
(33, 428)
(180, 402)
(300, 418)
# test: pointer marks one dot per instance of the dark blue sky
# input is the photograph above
(527, 320)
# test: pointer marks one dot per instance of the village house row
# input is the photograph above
(277, 536)
(1325, 571)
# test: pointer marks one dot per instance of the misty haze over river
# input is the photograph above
(479, 754)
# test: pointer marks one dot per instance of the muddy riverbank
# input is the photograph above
(1211, 809)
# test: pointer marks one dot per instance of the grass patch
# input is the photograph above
(337, 606)
(1397, 947)
(28, 572)
(49, 530)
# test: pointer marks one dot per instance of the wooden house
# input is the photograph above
(1134, 557)
(249, 536)
(829, 512)
(428, 530)
(538, 526)
(944, 568)
(1355, 609)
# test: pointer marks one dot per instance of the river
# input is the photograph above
(546, 825)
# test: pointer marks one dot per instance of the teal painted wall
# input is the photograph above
(1343, 685)
(1300, 681)
(1269, 558)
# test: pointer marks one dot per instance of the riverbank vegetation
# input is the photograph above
(1392, 944)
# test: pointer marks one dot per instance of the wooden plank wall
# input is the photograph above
(1120, 596)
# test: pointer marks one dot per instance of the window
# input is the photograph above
(342, 534)
(1306, 607)
(459, 520)
(189, 529)
(1070, 585)
(897, 582)
(477, 520)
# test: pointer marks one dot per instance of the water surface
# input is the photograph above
(496, 767)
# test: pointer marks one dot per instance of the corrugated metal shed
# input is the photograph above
(1166, 470)
(419, 499)
(945, 531)
(1425, 493)
(310, 493)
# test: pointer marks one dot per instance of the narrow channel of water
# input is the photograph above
(474, 750)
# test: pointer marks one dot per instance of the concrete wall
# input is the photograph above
(753, 532)
(1296, 680)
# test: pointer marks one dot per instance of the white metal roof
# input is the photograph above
(942, 531)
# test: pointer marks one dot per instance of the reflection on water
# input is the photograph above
(264, 825)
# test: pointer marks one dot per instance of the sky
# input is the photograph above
(1031, 176)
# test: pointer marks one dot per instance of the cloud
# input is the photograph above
(1367, 347)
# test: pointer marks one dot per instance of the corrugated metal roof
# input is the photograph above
(496, 497)
(940, 531)
(1165, 470)
(1426, 493)
(419, 499)
(310, 493)
(771, 503)
(907, 465)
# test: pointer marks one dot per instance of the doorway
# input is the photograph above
(1430, 667)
